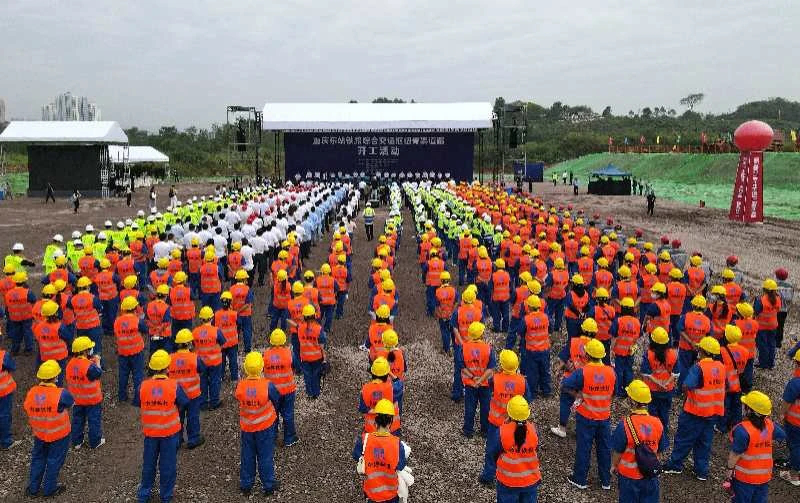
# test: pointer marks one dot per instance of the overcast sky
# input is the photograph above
(180, 62)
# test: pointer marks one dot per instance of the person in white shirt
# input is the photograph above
(162, 248)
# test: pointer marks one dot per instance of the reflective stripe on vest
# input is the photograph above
(126, 331)
(278, 369)
(710, 399)
(504, 387)
(183, 368)
(205, 343)
(159, 414)
(256, 412)
(83, 390)
(308, 335)
(41, 406)
(755, 464)
(7, 383)
(518, 467)
(598, 389)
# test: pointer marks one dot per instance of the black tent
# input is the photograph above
(610, 181)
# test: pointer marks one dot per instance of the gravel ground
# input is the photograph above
(320, 468)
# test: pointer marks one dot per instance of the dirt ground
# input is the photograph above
(320, 467)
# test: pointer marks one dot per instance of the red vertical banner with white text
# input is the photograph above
(747, 203)
(739, 189)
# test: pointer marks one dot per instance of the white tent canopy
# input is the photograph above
(136, 155)
(64, 132)
(376, 116)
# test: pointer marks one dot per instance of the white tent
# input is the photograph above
(64, 132)
(136, 154)
(376, 116)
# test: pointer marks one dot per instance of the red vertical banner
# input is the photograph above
(739, 189)
(755, 208)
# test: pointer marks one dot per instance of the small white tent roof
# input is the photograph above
(136, 154)
(376, 116)
(61, 132)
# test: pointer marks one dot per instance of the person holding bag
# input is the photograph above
(380, 456)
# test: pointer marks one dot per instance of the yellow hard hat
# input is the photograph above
(389, 338)
(60, 260)
(283, 255)
(718, 290)
(534, 286)
(444, 276)
(60, 285)
(468, 296)
(130, 281)
(651, 268)
(558, 263)
(500, 263)
(308, 275)
(638, 391)
(589, 325)
(648, 246)
(163, 263)
(105, 264)
(675, 273)
(48, 370)
(659, 335)
(129, 303)
(659, 287)
(195, 242)
(81, 344)
(384, 407)
(759, 402)
(585, 250)
(253, 364)
(381, 238)
(20, 277)
(380, 367)
(387, 285)
(434, 252)
(176, 253)
(482, 252)
(627, 302)
(377, 263)
(624, 272)
(577, 279)
(226, 295)
(533, 302)
(297, 288)
(509, 361)
(49, 308)
(602, 262)
(555, 247)
(163, 289)
(383, 311)
(632, 241)
(159, 360)
(184, 336)
(236, 246)
(325, 269)
(436, 242)
(49, 289)
(88, 250)
(277, 337)
(524, 277)
(206, 313)
(728, 274)
(179, 278)
(83, 282)
(665, 256)
(282, 275)
(697, 260)
(595, 349)
(699, 301)
(518, 409)
(476, 329)
(308, 310)
(601, 293)
(629, 257)
(241, 274)
(209, 256)
(339, 246)
(710, 345)
(384, 274)
(526, 248)
(733, 334)
(745, 310)
(770, 284)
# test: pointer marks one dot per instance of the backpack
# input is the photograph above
(646, 460)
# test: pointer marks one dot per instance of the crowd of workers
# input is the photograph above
(528, 269)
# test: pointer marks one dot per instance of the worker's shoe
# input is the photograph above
(99, 444)
(559, 431)
(579, 486)
(78, 446)
(701, 478)
(29, 494)
(215, 406)
(293, 442)
(15, 443)
(60, 488)
(606, 487)
(787, 476)
(246, 490)
(486, 482)
(467, 434)
(199, 442)
(672, 471)
(270, 491)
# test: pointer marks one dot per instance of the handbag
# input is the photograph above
(646, 460)
(361, 465)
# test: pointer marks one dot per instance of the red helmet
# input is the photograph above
(639, 233)
(697, 254)
(560, 208)
(732, 260)
(596, 216)
(610, 221)
(569, 207)
(676, 243)
(664, 240)
(781, 274)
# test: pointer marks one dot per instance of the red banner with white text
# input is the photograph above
(747, 203)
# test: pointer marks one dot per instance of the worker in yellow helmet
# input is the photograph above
(766, 308)
(278, 369)
(19, 301)
(83, 375)
(478, 364)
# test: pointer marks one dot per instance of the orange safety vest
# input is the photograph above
(603, 279)
(518, 467)
(537, 331)
(660, 375)
(41, 406)
(209, 278)
(160, 417)
(36, 311)
(154, 317)
(295, 308)
(577, 354)
(326, 286)
(465, 315)
(676, 295)
(628, 331)
(82, 389)
(721, 315)
(749, 328)
(383, 299)
(663, 271)
(17, 306)
(521, 294)
(558, 290)
(501, 286)
(371, 393)
(768, 317)
(571, 248)
(375, 334)
(7, 383)
(648, 430)
(281, 294)
(662, 320)
(484, 268)
(88, 266)
(446, 298)
(435, 268)
(579, 303)
(708, 400)
(279, 265)
(126, 331)
(159, 277)
(696, 325)
(604, 316)
(504, 387)
(137, 251)
(597, 392)
(68, 315)
(205, 343)
(734, 357)
(256, 412)
(86, 316)
(397, 366)
(464, 245)
(181, 304)
(312, 295)
(755, 464)
(696, 278)
(240, 291)
(339, 273)
(733, 293)
(514, 254)
(648, 280)
(278, 369)
(51, 346)
(792, 413)
(225, 321)
(424, 248)
(308, 335)
(183, 368)
(56, 274)
(476, 362)
(173, 266)
(381, 457)
(106, 288)
(125, 267)
(234, 263)
(194, 259)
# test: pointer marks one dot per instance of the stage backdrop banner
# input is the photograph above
(331, 154)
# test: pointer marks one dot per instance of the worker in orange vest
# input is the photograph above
(210, 281)
(505, 385)
(87, 310)
(234, 261)
(52, 337)
(692, 327)
(750, 461)
(328, 290)
(593, 388)
(7, 388)
(311, 344)
(604, 314)
(158, 320)
(445, 305)
(194, 260)
(575, 306)
(88, 265)
(467, 313)
(257, 398)
(83, 382)
(535, 334)
(790, 412)
(483, 277)
(225, 321)
(160, 276)
(677, 293)
(766, 309)
(705, 399)
(130, 331)
(208, 342)
(625, 332)
(744, 319)
(108, 283)
(186, 367)
(182, 309)
(464, 247)
(517, 303)
(500, 287)
(735, 358)
(638, 428)
(556, 285)
(46, 406)
(478, 362)
(161, 398)
(242, 303)
(658, 312)
(343, 279)
(279, 302)
(380, 386)
(432, 269)
(19, 302)
(514, 446)
(278, 369)
(659, 371)
(383, 455)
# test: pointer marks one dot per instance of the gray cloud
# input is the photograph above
(150, 63)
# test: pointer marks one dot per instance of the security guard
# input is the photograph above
(83, 382)
(186, 367)
(478, 362)
(278, 369)
(257, 398)
(46, 406)
(369, 221)
(130, 332)
(161, 398)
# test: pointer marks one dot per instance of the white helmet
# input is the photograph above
(101, 236)
(58, 238)
(134, 226)
(498, 228)
(120, 225)
(128, 221)
(108, 224)
(152, 211)
(89, 228)
(151, 218)
(159, 215)
(178, 204)
(58, 253)
(77, 242)
(369, 204)
(140, 213)
(76, 234)
(18, 247)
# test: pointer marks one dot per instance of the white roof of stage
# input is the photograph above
(61, 132)
(376, 116)
(136, 154)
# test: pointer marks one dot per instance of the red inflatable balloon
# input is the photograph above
(753, 136)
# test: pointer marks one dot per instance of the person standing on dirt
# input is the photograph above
(651, 203)
(555, 178)
(564, 177)
(50, 194)
(76, 200)
(369, 220)
(173, 197)
(478, 361)
(786, 293)
(153, 197)
(128, 195)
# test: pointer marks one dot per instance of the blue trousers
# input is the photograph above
(178, 325)
(130, 367)
(210, 382)
(686, 359)
(244, 324)
(110, 309)
(295, 351)
(277, 316)
(573, 327)
(211, 300)
(565, 401)
(793, 443)
(638, 491)
(750, 493)
(285, 409)
(96, 335)
(588, 432)
(536, 369)
(733, 412)
(164, 452)
(765, 345)
(190, 422)
(6, 404)
(513, 327)
(141, 272)
(695, 434)
(556, 312)
(660, 407)
(623, 367)
(462, 271)
(312, 374)
(517, 494)
(485, 297)
(194, 284)
(500, 319)
(230, 356)
(472, 398)
(47, 458)
(91, 414)
(446, 330)
(430, 300)
(458, 387)
(18, 331)
(257, 449)
(327, 316)
(489, 462)
(746, 379)
(340, 298)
